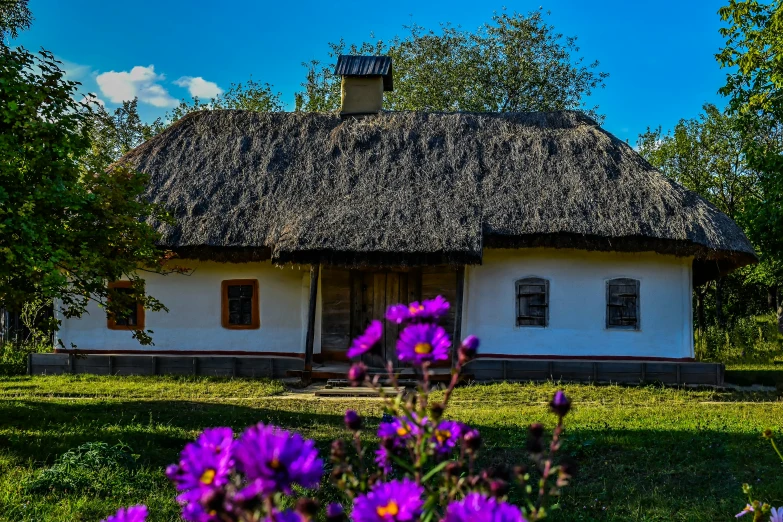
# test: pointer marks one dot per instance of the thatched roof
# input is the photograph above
(413, 188)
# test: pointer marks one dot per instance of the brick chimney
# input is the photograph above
(364, 80)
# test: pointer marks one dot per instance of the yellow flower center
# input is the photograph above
(390, 509)
(402, 431)
(442, 435)
(207, 477)
(275, 463)
(416, 309)
(422, 348)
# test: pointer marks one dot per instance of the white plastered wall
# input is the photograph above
(193, 322)
(577, 304)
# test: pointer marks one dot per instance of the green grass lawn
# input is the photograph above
(644, 453)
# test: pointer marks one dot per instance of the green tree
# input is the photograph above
(15, 16)
(514, 63)
(113, 134)
(248, 96)
(705, 155)
(754, 85)
(65, 229)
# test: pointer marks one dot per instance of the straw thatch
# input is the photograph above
(419, 188)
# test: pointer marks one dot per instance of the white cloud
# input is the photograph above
(199, 87)
(141, 82)
(75, 71)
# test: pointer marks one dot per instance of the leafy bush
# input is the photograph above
(13, 356)
(94, 467)
(746, 340)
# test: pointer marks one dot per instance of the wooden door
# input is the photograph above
(372, 293)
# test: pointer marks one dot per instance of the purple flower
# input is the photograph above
(365, 342)
(335, 513)
(748, 509)
(383, 459)
(352, 420)
(196, 512)
(204, 464)
(475, 507)
(429, 309)
(285, 516)
(273, 459)
(560, 404)
(400, 427)
(776, 515)
(395, 501)
(131, 514)
(446, 436)
(468, 349)
(419, 343)
(356, 373)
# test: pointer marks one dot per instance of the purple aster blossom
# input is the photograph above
(400, 427)
(195, 512)
(285, 516)
(383, 459)
(395, 501)
(419, 343)
(204, 464)
(748, 509)
(427, 310)
(776, 515)
(130, 514)
(365, 342)
(273, 459)
(475, 507)
(447, 436)
(335, 513)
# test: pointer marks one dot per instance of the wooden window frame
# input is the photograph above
(111, 322)
(531, 280)
(255, 321)
(625, 281)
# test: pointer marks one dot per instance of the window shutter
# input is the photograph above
(622, 304)
(532, 302)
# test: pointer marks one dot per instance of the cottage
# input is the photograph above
(551, 237)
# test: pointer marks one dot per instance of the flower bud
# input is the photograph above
(454, 469)
(536, 430)
(353, 421)
(768, 433)
(436, 409)
(498, 487)
(307, 508)
(338, 451)
(560, 404)
(335, 513)
(472, 440)
(468, 349)
(357, 373)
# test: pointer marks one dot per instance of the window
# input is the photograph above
(240, 304)
(532, 302)
(132, 317)
(622, 304)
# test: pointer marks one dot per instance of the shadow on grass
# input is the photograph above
(624, 474)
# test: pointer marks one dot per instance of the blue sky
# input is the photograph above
(660, 55)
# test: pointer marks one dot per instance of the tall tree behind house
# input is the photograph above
(705, 154)
(515, 62)
(754, 85)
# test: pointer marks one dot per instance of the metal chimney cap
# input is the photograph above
(349, 65)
